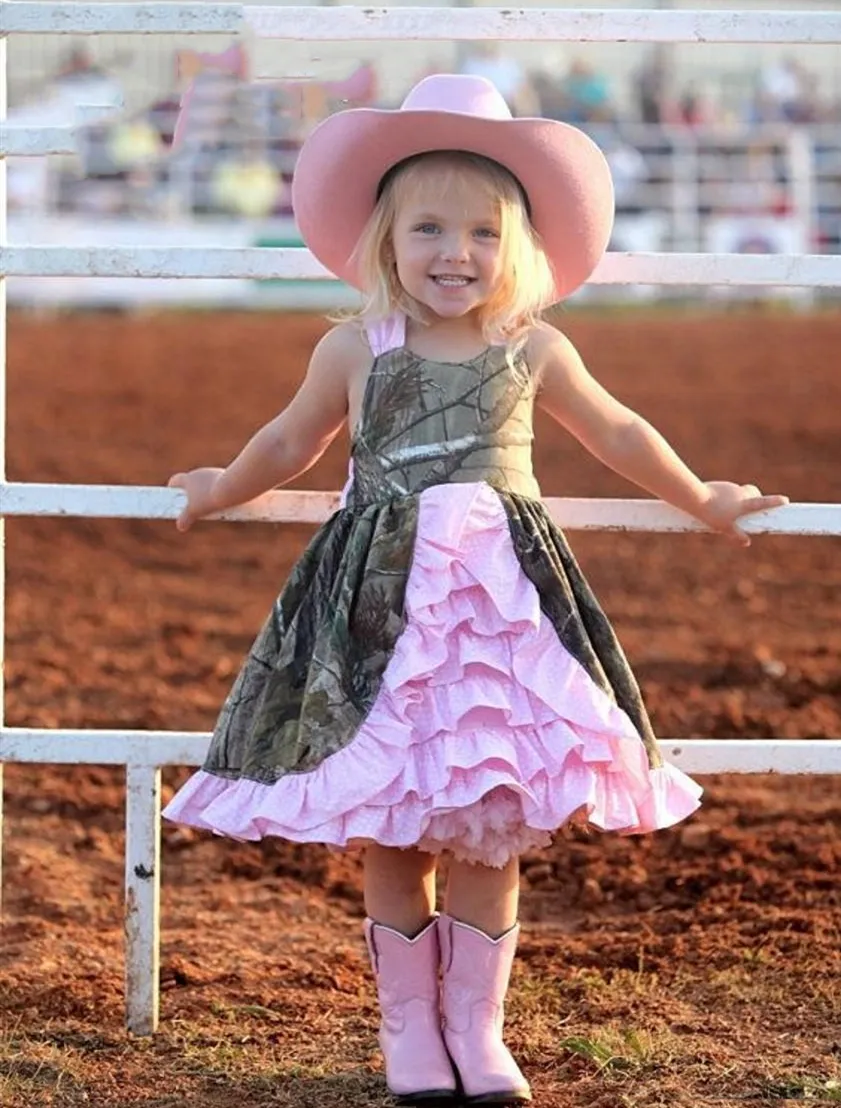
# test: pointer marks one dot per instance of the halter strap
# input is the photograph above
(386, 334)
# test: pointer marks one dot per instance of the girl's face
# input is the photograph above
(446, 245)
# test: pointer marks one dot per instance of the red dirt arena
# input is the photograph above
(698, 966)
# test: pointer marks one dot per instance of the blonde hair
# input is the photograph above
(525, 284)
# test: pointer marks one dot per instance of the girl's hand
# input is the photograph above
(199, 485)
(729, 502)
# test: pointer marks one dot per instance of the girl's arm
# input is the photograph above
(626, 443)
(292, 442)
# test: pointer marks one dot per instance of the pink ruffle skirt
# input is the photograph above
(486, 735)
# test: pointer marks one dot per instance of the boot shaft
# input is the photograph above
(477, 970)
(405, 969)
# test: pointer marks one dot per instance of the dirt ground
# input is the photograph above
(697, 966)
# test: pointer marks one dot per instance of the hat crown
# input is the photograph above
(457, 92)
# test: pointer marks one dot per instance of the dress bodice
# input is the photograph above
(427, 423)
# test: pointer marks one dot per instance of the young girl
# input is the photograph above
(436, 674)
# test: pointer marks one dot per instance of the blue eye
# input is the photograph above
(427, 228)
(487, 233)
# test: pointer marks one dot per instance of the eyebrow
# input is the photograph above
(431, 217)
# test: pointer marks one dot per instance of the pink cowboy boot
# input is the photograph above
(417, 1068)
(476, 973)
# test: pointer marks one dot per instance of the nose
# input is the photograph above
(454, 248)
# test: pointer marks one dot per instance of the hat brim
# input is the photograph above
(565, 175)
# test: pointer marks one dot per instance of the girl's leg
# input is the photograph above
(478, 936)
(484, 897)
(399, 887)
(402, 938)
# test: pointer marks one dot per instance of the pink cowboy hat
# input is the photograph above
(563, 172)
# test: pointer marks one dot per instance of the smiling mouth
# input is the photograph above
(451, 282)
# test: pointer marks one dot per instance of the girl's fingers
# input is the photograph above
(749, 507)
(184, 520)
(736, 535)
(763, 503)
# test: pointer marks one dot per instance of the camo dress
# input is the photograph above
(436, 672)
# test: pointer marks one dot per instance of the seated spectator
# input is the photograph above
(83, 84)
(163, 115)
(651, 87)
(248, 184)
(135, 143)
(786, 92)
(694, 108)
(550, 96)
(586, 95)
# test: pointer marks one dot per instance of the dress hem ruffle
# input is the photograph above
(486, 736)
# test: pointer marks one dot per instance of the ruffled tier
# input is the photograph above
(486, 734)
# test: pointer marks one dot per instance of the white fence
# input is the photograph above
(143, 753)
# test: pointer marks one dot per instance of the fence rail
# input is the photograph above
(330, 24)
(143, 753)
(153, 749)
(35, 142)
(295, 263)
(298, 506)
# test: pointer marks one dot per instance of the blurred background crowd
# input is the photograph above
(699, 162)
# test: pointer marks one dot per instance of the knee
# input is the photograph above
(402, 868)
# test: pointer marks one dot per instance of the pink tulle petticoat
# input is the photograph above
(486, 736)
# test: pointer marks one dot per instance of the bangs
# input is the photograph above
(454, 172)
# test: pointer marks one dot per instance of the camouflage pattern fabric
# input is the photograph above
(315, 669)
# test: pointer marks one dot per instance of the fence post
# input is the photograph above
(3, 206)
(143, 896)
(802, 167)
